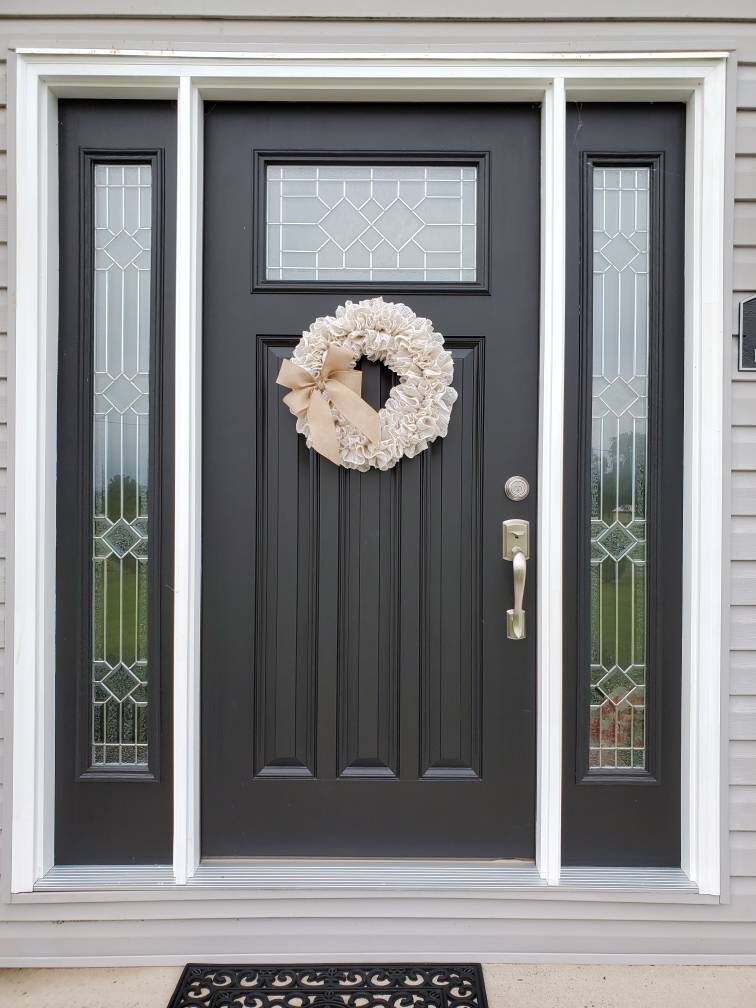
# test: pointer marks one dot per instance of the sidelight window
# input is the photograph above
(619, 450)
(114, 503)
(120, 674)
(623, 421)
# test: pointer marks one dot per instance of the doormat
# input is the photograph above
(328, 986)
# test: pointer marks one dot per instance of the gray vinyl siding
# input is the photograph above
(4, 447)
(567, 927)
(493, 10)
(742, 707)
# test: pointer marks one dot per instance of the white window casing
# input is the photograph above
(40, 76)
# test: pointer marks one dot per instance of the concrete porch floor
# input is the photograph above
(507, 986)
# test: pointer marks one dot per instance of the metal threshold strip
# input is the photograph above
(636, 879)
(95, 878)
(363, 875)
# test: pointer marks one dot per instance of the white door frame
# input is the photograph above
(39, 77)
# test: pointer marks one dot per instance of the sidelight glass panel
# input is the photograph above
(362, 223)
(619, 458)
(120, 453)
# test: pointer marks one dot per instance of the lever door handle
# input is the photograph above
(516, 616)
(516, 536)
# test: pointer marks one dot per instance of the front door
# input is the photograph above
(360, 696)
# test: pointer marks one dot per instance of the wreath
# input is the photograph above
(325, 388)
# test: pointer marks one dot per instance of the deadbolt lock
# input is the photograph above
(517, 488)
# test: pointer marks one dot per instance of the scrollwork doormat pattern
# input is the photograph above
(329, 986)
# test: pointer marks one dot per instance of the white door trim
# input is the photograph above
(188, 469)
(40, 76)
(550, 465)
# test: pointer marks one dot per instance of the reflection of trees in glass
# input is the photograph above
(617, 472)
(134, 498)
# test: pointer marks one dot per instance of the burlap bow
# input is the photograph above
(339, 383)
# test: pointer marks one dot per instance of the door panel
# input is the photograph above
(359, 694)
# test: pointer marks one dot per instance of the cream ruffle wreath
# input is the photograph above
(417, 410)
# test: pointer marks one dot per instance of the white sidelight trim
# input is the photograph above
(703, 529)
(34, 362)
(188, 469)
(40, 77)
(550, 486)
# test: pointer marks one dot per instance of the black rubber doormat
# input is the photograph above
(328, 986)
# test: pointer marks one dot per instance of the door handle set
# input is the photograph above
(516, 549)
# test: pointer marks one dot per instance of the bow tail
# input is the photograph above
(323, 434)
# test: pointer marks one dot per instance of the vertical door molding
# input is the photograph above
(550, 478)
(33, 392)
(188, 515)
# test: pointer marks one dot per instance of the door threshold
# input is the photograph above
(264, 873)
(396, 876)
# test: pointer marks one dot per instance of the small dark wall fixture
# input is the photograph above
(747, 348)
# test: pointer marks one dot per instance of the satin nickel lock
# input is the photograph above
(516, 549)
(517, 488)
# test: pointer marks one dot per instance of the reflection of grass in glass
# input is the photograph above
(126, 584)
(622, 588)
(618, 478)
(126, 610)
(120, 625)
(623, 616)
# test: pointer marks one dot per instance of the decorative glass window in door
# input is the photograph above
(120, 463)
(619, 460)
(341, 222)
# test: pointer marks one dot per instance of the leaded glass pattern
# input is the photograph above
(120, 453)
(619, 458)
(362, 223)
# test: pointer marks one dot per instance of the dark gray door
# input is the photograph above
(360, 697)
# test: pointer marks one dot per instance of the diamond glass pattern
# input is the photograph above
(122, 279)
(363, 223)
(619, 451)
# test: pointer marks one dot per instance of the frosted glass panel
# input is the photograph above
(352, 223)
(120, 451)
(619, 460)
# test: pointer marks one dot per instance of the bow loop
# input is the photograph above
(338, 385)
